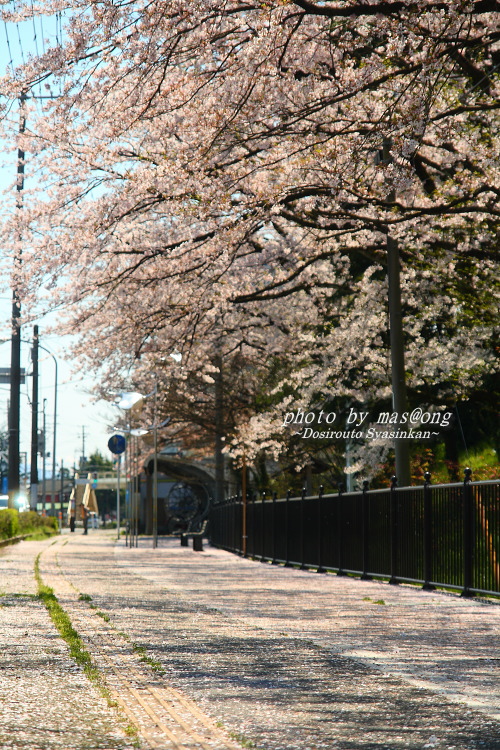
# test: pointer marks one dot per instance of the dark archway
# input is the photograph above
(185, 492)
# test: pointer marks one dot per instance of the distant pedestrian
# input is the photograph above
(85, 519)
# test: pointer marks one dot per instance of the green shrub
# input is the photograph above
(51, 522)
(9, 523)
(29, 520)
(13, 523)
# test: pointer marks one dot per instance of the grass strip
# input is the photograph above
(63, 624)
(155, 665)
(77, 650)
(243, 741)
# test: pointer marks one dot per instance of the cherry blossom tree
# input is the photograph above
(221, 178)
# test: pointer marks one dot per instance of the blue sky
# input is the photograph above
(76, 412)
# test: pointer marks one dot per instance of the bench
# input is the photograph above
(196, 536)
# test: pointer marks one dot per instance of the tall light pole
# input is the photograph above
(54, 441)
(43, 455)
(34, 422)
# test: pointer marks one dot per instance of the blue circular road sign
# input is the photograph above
(117, 444)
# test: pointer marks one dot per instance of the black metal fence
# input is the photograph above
(437, 535)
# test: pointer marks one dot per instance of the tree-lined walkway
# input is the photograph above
(210, 650)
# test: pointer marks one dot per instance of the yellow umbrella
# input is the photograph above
(89, 498)
(76, 500)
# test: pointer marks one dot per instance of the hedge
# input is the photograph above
(9, 523)
(13, 523)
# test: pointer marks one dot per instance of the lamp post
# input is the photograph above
(54, 439)
(137, 491)
(44, 489)
(126, 469)
(14, 435)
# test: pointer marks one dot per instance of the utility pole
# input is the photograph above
(83, 447)
(15, 356)
(34, 424)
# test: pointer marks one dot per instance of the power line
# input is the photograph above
(59, 34)
(35, 40)
(20, 43)
(11, 63)
(35, 37)
(43, 35)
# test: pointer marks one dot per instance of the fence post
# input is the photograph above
(428, 573)
(287, 543)
(237, 523)
(263, 528)
(244, 506)
(468, 516)
(320, 569)
(275, 497)
(234, 544)
(244, 522)
(303, 566)
(254, 497)
(340, 541)
(365, 576)
(394, 531)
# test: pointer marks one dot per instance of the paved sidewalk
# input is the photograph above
(434, 640)
(46, 701)
(209, 650)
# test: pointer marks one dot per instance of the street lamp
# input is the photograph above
(129, 399)
(54, 441)
(44, 455)
(36, 344)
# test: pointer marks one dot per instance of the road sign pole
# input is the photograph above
(117, 445)
(118, 463)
